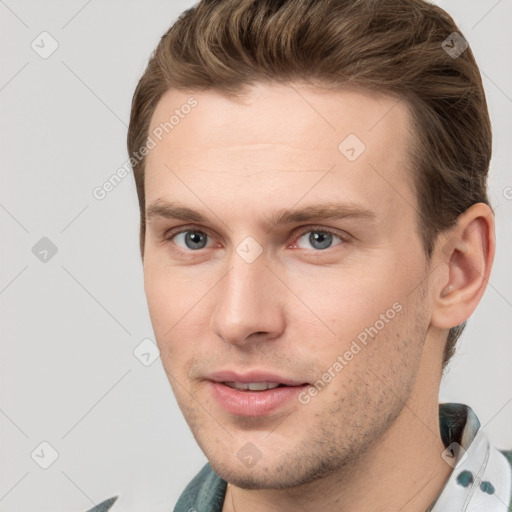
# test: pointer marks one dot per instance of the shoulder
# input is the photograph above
(104, 506)
(204, 492)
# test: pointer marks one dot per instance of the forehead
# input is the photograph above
(310, 143)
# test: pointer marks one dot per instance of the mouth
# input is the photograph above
(255, 380)
(253, 386)
(254, 394)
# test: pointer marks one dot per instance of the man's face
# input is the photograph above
(336, 309)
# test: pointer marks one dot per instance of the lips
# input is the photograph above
(253, 393)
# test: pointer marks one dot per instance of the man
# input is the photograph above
(315, 231)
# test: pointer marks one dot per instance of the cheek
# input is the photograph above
(159, 299)
(368, 321)
(169, 296)
(176, 314)
(342, 304)
(164, 307)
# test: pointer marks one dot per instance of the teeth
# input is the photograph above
(252, 386)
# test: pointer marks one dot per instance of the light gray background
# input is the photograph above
(68, 373)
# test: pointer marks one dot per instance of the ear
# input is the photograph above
(465, 256)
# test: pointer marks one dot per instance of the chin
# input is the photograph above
(249, 478)
(279, 475)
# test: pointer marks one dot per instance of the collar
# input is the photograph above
(481, 478)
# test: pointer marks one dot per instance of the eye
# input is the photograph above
(319, 239)
(191, 239)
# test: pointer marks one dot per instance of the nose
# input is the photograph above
(249, 303)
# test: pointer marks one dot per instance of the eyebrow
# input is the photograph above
(315, 212)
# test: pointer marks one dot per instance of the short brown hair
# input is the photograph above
(388, 46)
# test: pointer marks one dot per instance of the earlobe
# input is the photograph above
(465, 260)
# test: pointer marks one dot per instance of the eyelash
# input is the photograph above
(307, 229)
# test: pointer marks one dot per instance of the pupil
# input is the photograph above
(195, 238)
(320, 240)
